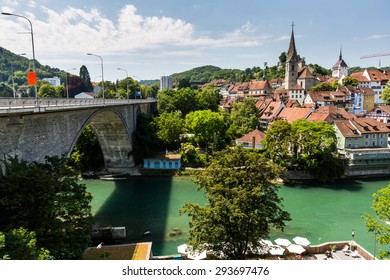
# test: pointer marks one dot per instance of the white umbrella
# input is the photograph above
(296, 249)
(266, 242)
(196, 255)
(301, 241)
(283, 242)
(276, 250)
(182, 248)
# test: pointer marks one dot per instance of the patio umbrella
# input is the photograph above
(182, 248)
(301, 241)
(283, 242)
(266, 242)
(276, 250)
(296, 249)
(196, 255)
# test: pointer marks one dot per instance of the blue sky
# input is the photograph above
(151, 38)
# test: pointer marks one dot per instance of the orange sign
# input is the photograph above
(32, 78)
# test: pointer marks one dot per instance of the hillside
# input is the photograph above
(21, 65)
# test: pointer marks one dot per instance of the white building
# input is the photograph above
(373, 79)
(54, 81)
(166, 82)
(340, 69)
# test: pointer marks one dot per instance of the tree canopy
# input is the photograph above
(242, 204)
(47, 199)
(380, 225)
(304, 145)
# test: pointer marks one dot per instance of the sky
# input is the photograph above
(152, 38)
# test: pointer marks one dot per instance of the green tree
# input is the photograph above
(84, 75)
(48, 199)
(183, 100)
(208, 98)
(60, 91)
(349, 81)
(47, 91)
(386, 94)
(242, 204)
(169, 127)
(325, 87)
(145, 138)
(380, 225)
(207, 126)
(278, 143)
(244, 117)
(20, 244)
(306, 146)
(87, 154)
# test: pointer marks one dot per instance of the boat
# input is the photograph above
(113, 177)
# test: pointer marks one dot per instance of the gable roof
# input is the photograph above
(257, 134)
(293, 114)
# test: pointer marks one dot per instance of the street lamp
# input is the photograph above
(32, 44)
(66, 81)
(127, 85)
(101, 60)
(13, 78)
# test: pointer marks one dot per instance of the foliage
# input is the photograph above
(75, 85)
(242, 204)
(169, 127)
(208, 98)
(325, 87)
(386, 94)
(145, 138)
(349, 81)
(380, 225)
(244, 117)
(87, 154)
(84, 75)
(20, 244)
(206, 125)
(319, 71)
(189, 154)
(304, 145)
(48, 199)
(48, 91)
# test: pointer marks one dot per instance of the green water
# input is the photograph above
(320, 213)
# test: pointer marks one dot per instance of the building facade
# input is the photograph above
(166, 82)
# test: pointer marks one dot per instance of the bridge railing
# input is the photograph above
(65, 102)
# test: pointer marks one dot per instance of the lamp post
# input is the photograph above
(32, 44)
(101, 60)
(127, 82)
(66, 82)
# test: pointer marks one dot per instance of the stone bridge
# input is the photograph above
(35, 128)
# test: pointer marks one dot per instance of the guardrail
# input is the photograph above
(65, 102)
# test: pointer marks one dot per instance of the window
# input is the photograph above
(366, 136)
(366, 143)
(373, 143)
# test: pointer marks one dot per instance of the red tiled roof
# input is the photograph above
(293, 114)
(259, 136)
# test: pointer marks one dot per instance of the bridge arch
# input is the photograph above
(114, 138)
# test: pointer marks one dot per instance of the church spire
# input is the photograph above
(341, 55)
(292, 52)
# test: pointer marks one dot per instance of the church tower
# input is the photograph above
(340, 69)
(291, 63)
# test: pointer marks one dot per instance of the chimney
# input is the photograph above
(254, 142)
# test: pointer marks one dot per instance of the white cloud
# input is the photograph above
(67, 35)
(376, 37)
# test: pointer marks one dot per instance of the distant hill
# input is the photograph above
(21, 65)
(149, 82)
(205, 74)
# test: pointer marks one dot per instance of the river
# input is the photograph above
(319, 212)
